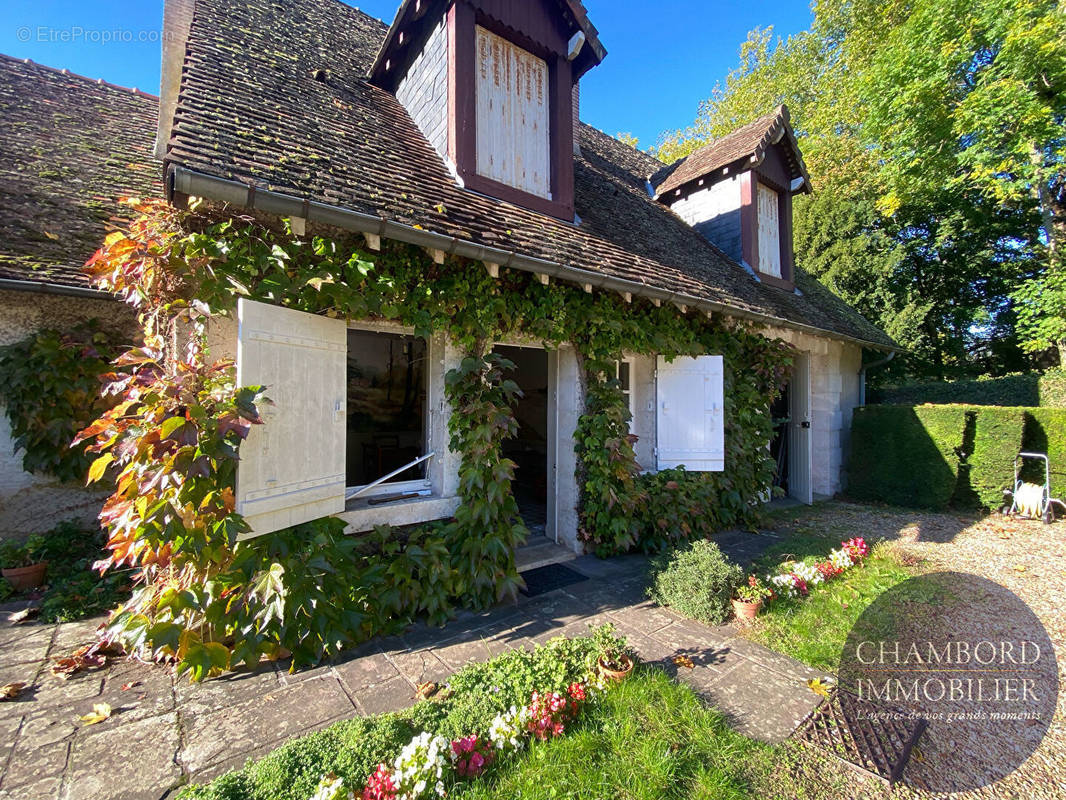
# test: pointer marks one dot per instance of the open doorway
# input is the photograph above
(780, 413)
(529, 449)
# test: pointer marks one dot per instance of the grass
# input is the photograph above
(649, 738)
(813, 629)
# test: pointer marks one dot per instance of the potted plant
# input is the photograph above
(614, 662)
(23, 565)
(749, 599)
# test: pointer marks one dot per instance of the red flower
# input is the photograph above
(379, 786)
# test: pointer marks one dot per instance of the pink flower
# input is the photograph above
(379, 786)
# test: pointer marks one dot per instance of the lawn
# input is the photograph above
(813, 629)
(649, 738)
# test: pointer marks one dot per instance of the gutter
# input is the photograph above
(54, 288)
(862, 374)
(197, 184)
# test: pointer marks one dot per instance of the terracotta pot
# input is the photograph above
(746, 612)
(616, 675)
(24, 578)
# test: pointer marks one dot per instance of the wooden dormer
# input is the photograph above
(490, 83)
(737, 191)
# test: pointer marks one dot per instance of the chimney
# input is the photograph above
(575, 102)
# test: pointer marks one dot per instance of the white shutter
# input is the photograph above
(690, 395)
(292, 468)
(800, 454)
(769, 232)
(512, 115)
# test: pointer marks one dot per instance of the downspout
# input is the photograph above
(862, 374)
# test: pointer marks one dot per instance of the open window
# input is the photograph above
(690, 414)
(386, 448)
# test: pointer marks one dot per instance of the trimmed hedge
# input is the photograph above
(1024, 389)
(950, 456)
(906, 456)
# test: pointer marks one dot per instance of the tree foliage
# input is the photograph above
(935, 135)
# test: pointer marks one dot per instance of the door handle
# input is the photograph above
(805, 424)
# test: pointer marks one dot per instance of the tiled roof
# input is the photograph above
(275, 95)
(69, 148)
(747, 142)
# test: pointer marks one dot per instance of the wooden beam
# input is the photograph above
(437, 255)
(493, 269)
(543, 277)
(710, 315)
(627, 296)
(682, 308)
(373, 241)
(587, 287)
(299, 225)
(656, 302)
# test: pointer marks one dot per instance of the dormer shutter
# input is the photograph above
(769, 222)
(513, 124)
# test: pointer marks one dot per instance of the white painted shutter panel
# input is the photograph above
(769, 232)
(690, 396)
(800, 454)
(513, 127)
(292, 469)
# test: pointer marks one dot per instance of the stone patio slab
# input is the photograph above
(130, 766)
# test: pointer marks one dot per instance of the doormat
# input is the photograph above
(553, 576)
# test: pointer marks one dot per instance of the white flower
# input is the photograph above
(806, 572)
(840, 559)
(508, 731)
(420, 761)
(331, 788)
(784, 584)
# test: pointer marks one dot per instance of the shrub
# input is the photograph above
(906, 456)
(997, 439)
(1053, 388)
(50, 387)
(1045, 432)
(696, 580)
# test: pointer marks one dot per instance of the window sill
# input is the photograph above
(771, 280)
(361, 516)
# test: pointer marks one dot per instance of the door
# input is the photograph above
(800, 456)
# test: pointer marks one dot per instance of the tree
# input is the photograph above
(933, 133)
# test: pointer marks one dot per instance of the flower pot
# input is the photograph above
(24, 578)
(746, 612)
(613, 674)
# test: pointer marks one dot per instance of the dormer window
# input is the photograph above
(490, 86)
(737, 191)
(768, 220)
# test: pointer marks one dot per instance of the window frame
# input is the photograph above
(630, 362)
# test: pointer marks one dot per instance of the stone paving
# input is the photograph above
(164, 733)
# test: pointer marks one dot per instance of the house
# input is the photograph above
(70, 146)
(456, 129)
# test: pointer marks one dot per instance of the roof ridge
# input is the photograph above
(63, 71)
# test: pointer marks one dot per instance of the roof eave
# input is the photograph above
(192, 183)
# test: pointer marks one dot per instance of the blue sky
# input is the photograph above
(664, 56)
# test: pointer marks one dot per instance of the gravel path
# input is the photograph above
(1026, 557)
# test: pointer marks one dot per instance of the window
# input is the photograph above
(513, 127)
(386, 389)
(769, 222)
(623, 372)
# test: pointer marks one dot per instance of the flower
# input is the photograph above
(576, 690)
(380, 786)
(548, 713)
(421, 761)
(331, 788)
(856, 548)
(806, 573)
(840, 559)
(471, 755)
(508, 730)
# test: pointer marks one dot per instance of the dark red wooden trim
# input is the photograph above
(784, 210)
(779, 283)
(462, 100)
(509, 194)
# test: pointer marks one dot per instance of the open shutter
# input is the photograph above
(292, 469)
(800, 454)
(689, 393)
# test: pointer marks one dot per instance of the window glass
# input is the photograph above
(386, 406)
(623, 371)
